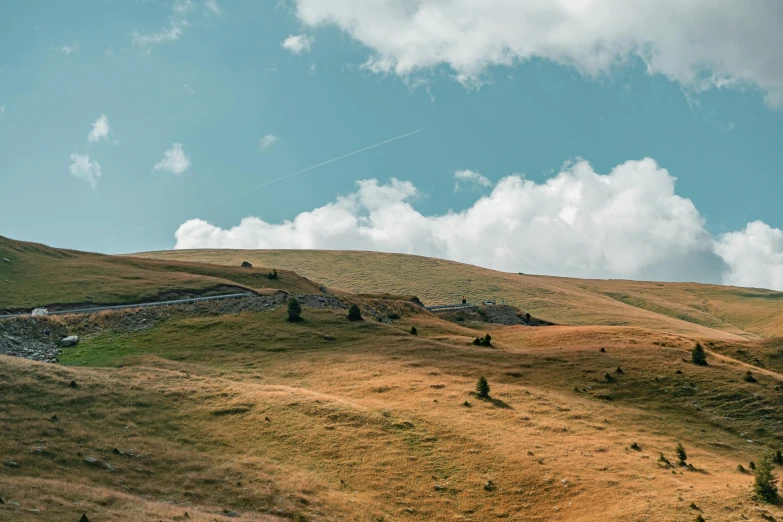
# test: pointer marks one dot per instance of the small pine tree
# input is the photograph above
(749, 377)
(681, 455)
(294, 311)
(414, 331)
(765, 486)
(752, 465)
(482, 388)
(699, 518)
(778, 459)
(272, 274)
(354, 314)
(698, 355)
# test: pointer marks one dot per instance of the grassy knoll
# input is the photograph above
(685, 308)
(37, 275)
(252, 414)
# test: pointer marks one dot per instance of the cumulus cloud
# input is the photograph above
(754, 255)
(297, 43)
(100, 129)
(174, 160)
(268, 140)
(171, 33)
(628, 223)
(84, 168)
(699, 43)
(469, 178)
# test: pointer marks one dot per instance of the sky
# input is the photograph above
(584, 138)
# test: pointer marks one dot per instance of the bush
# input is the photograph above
(698, 355)
(663, 460)
(294, 311)
(765, 486)
(681, 455)
(354, 314)
(459, 317)
(391, 314)
(749, 377)
(414, 331)
(778, 458)
(482, 388)
(483, 341)
(699, 518)
(272, 274)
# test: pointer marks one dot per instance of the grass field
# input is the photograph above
(673, 307)
(251, 414)
(246, 416)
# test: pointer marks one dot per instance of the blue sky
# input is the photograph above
(216, 77)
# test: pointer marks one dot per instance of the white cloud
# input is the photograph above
(213, 6)
(469, 177)
(171, 33)
(754, 255)
(2, 111)
(268, 140)
(188, 89)
(100, 129)
(628, 223)
(174, 160)
(698, 43)
(68, 49)
(82, 167)
(298, 43)
(312, 70)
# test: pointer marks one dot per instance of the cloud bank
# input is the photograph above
(698, 43)
(629, 223)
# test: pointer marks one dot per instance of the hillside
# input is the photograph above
(685, 308)
(226, 411)
(37, 275)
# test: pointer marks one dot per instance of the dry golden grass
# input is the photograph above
(678, 308)
(252, 414)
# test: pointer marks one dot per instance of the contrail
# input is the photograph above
(138, 229)
(320, 165)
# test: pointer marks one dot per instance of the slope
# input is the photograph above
(686, 308)
(329, 419)
(34, 275)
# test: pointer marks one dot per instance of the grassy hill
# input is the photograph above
(686, 308)
(275, 421)
(38, 275)
(232, 415)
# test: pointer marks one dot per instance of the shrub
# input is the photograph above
(482, 388)
(272, 274)
(609, 378)
(354, 314)
(752, 465)
(391, 314)
(698, 355)
(619, 370)
(459, 317)
(778, 458)
(749, 377)
(294, 311)
(699, 518)
(483, 341)
(765, 486)
(681, 455)
(635, 446)
(527, 317)
(663, 460)
(741, 468)
(414, 331)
